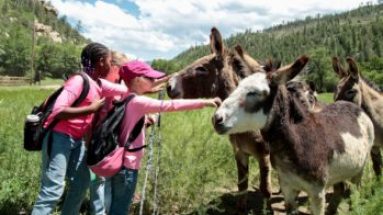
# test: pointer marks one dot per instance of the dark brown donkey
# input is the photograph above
(218, 74)
(354, 88)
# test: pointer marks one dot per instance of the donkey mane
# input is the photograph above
(289, 110)
(241, 67)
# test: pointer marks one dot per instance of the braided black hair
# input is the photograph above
(91, 54)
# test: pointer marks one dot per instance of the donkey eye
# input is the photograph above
(254, 93)
(350, 93)
(201, 70)
(237, 65)
(291, 88)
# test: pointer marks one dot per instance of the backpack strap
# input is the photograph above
(85, 90)
(136, 129)
(134, 134)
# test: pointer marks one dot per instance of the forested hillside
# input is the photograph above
(57, 44)
(357, 33)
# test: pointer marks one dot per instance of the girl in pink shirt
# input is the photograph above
(65, 158)
(140, 78)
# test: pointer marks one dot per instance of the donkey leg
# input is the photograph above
(339, 190)
(263, 156)
(376, 158)
(318, 202)
(265, 176)
(242, 161)
(290, 196)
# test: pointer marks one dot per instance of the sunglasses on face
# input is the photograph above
(148, 78)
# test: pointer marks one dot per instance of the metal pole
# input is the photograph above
(150, 163)
(148, 169)
(33, 43)
(155, 196)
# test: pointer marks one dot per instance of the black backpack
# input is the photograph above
(34, 131)
(105, 138)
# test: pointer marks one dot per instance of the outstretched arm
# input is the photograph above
(149, 105)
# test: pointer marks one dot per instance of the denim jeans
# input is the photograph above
(97, 195)
(67, 160)
(123, 187)
(108, 195)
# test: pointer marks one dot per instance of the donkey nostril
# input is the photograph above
(218, 120)
(169, 88)
(172, 92)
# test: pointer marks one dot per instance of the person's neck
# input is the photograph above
(95, 75)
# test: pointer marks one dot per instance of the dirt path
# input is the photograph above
(257, 205)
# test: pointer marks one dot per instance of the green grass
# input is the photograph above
(197, 165)
(326, 97)
(20, 170)
(50, 81)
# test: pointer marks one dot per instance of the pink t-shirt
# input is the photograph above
(77, 127)
(137, 108)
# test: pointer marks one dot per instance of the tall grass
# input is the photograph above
(196, 167)
(20, 170)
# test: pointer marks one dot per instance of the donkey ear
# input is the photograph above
(312, 86)
(272, 65)
(277, 64)
(353, 68)
(216, 43)
(338, 69)
(268, 66)
(239, 50)
(286, 73)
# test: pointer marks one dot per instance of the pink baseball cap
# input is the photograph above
(136, 68)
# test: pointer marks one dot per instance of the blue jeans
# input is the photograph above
(108, 195)
(67, 160)
(123, 187)
(97, 194)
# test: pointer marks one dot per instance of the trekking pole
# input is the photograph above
(149, 164)
(148, 168)
(155, 197)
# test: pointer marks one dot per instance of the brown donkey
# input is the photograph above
(218, 74)
(354, 88)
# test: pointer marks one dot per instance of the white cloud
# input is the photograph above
(164, 28)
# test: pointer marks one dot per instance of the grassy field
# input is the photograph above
(326, 97)
(197, 166)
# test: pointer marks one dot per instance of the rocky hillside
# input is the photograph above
(56, 44)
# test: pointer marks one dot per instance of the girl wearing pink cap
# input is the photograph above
(100, 191)
(140, 78)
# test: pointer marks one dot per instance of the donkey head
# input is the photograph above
(304, 92)
(216, 74)
(348, 88)
(248, 107)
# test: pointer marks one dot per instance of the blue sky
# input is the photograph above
(127, 6)
(151, 29)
